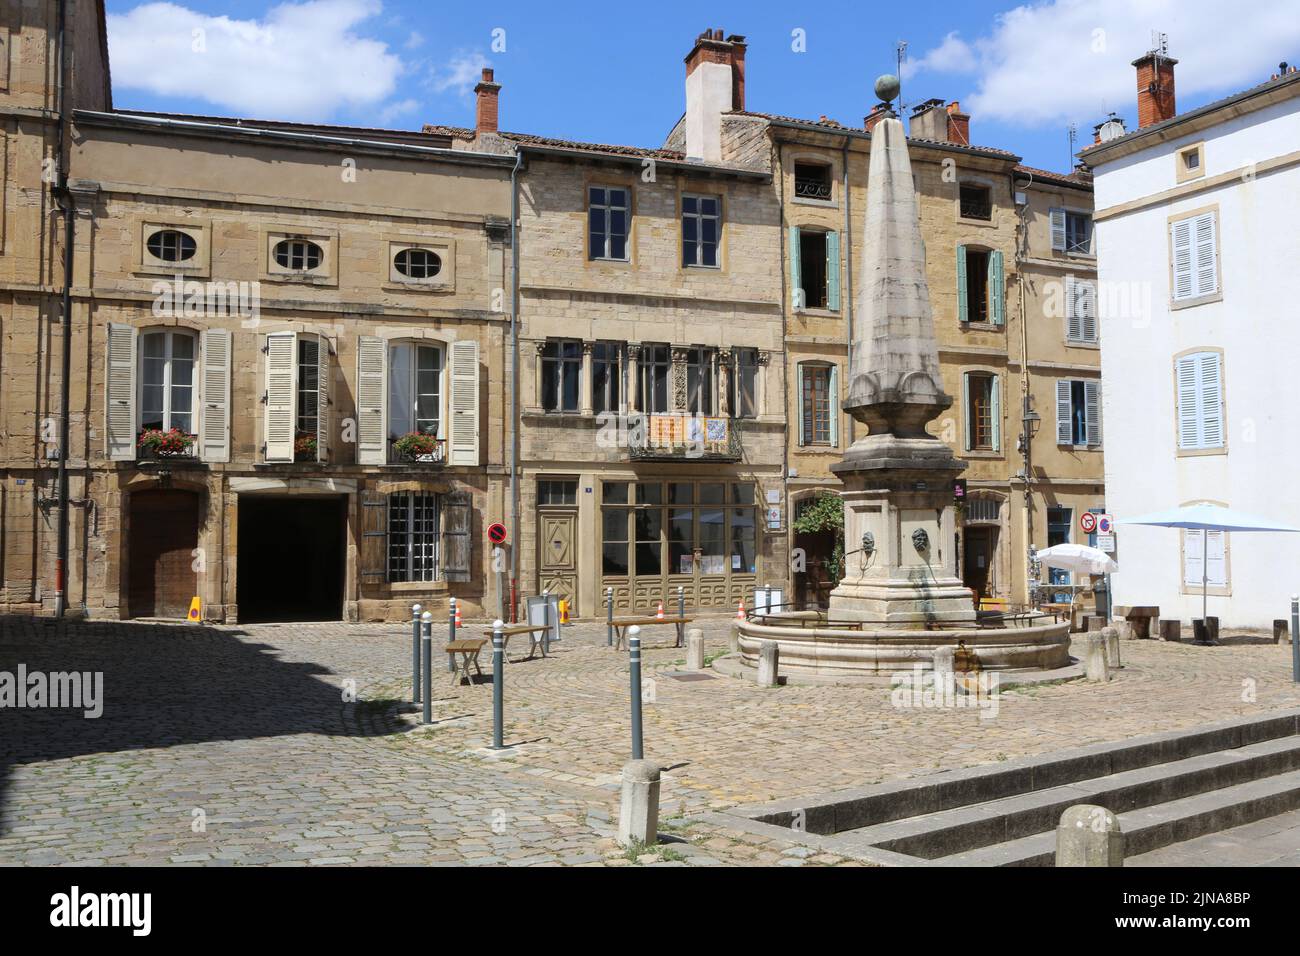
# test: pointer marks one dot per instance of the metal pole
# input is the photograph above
(1205, 579)
(609, 617)
(634, 660)
(427, 619)
(415, 653)
(767, 599)
(1295, 638)
(681, 615)
(498, 684)
(451, 634)
(546, 620)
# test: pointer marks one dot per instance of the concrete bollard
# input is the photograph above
(769, 657)
(1279, 630)
(1089, 836)
(695, 649)
(1095, 622)
(1171, 630)
(733, 638)
(638, 812)
(1125, 630)
(1111, 636)
(1094, 658)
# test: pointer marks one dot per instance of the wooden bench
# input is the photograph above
(621, 624)
(536, 637)
(463, 654)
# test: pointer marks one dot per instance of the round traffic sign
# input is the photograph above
(1105, 524)
(1088, 522)
(497, 533)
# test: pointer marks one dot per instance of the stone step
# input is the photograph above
(946, 832)
(1150, 828)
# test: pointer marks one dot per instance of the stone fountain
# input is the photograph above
(900, 598)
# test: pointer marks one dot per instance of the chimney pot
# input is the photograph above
(487, 93)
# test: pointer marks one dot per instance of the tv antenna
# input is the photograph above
(1072, 132)
(1159, 43)
(900, 53)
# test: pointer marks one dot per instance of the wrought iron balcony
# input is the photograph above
(812, 188)
(683, 437)
(417, 449)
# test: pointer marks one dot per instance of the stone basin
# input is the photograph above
(813, 647)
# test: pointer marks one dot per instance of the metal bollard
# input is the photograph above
(634, 662)
(451, 635)
(1295, 638)
(681, 614)
(415, 653)
(546, 621)
(498, 684)
(767, 599)
(609, 617)
(427, 620)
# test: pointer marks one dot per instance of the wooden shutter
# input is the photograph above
(1211, 404)
(963, 307)
(1086, 308)
(214, 420)
(372, 389)
(281, 392)
(463, 437)
(1207, 266)
(995, 411)
(119, 374)
(834, 405)
(374, 537)
(1183, 276)
(456, 536)
(997, 287)
(323, 368)
(796, 270)
(833, 271)
(801, 405)
(1064, 427)
(1056, 219)
(1189, 411)
(968, 409)
(1092, 410)
(1073, 320)
(1195, 545)
(1216, 546)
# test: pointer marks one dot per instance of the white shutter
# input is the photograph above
(1192, 542)
(214, 419)
(1092, 411)
(1211, 392)
(119, 374)
(1195, 544)
(1073, 321)
(372, 431)
(1217, 570)
(1057, 219)
(463, 438)
(322, 398)
(281, 392)
(1183, 277)
(1207, 266)
(1189, 411)
(1064, 429)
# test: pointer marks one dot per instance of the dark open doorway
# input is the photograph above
(980, 544)
(162, 563)
(290, 558)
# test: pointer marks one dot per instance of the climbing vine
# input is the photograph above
(825, 513)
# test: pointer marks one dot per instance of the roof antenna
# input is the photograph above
(1072, 133)
(900, 53)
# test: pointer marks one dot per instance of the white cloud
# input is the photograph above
(461, 74)
(1069, 60)
(953, 55)
(302, 61)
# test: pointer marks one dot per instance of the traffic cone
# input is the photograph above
(659, 614)
(459, 624)
(740, 611)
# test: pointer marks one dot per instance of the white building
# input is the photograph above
(1198, 240)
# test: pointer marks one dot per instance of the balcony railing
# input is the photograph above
(668, 437)
(154, 444)
(425, 450)
(812, 188)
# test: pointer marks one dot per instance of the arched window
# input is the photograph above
(167, 359)
(300, 255)
(415, 388)
(171, 245)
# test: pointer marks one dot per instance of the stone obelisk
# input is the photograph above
(899, 534)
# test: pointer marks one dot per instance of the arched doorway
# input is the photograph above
(163, 533)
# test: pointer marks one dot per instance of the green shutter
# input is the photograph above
(995, 404)
(833, 271)
(799, 400)
(963, 312)
(796, 279)
(835, 405)
(997, 287)
(968, 420)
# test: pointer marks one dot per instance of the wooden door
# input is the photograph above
(980, 543)
(164, 535)
(558, 560)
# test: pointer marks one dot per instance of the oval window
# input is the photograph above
(417, 263)
(300, 255)
(171, 245)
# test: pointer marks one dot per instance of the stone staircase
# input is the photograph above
(1165, 788)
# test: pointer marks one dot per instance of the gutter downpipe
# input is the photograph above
(514, 383)
(65, 390)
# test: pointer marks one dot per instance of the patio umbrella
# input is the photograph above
(1078, 557)
(1206, 518)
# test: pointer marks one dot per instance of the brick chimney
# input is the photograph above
(878, 112)
(715, 84)
(958, 125)
(485, 108)
(945, 125)
(1155, 88)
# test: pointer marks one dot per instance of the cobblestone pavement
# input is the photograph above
(234, 745)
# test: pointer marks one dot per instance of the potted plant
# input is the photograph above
(304, 447)
(418, 446)
(172, 443)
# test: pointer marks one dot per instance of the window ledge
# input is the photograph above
(983, 453)
(982, 326)
(819, 313)
(704, 268)
(403, 587)
(1078, 447)
(982, 223)
(1071, 343)
(1176, 304)
(1200, 452)
(823, 203)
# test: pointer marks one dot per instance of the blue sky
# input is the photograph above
(613, 72)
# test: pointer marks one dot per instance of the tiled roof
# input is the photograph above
(529, 139)
(1082, 181)
(835, 126)
(276, 124)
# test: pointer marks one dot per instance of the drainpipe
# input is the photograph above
(65, 199)
(1022, 251)
(847, 303)
(514, 382)
(778, 167)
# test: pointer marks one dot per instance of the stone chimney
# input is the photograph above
(485, 108)
(715, 84)
(944, 124)
(1155, 88)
